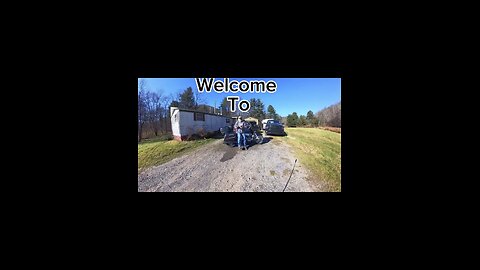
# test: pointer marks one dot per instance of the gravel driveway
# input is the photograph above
(218, 167)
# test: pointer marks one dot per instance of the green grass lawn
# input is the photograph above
(156, 152)
(320, 151)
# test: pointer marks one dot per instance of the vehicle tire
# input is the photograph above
(259, 139)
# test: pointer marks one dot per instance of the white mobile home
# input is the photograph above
(188, 122)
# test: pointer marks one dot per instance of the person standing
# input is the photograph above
(239, 127)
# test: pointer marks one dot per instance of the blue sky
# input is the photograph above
(293, 94)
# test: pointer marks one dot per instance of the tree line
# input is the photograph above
(329, 116)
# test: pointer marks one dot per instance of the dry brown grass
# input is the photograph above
(334, 129)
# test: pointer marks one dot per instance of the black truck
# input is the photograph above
(274, 127)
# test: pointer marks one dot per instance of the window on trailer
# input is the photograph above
(198, 116)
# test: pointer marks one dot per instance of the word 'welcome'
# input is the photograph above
(234, 86)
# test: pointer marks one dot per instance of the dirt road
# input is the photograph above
(218, 167)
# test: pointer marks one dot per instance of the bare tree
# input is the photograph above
(165, 102)
(154, 110)
(142, 110)
(331, 116)
(199, 99)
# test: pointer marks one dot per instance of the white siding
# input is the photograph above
(175, 123)
(183, 123)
